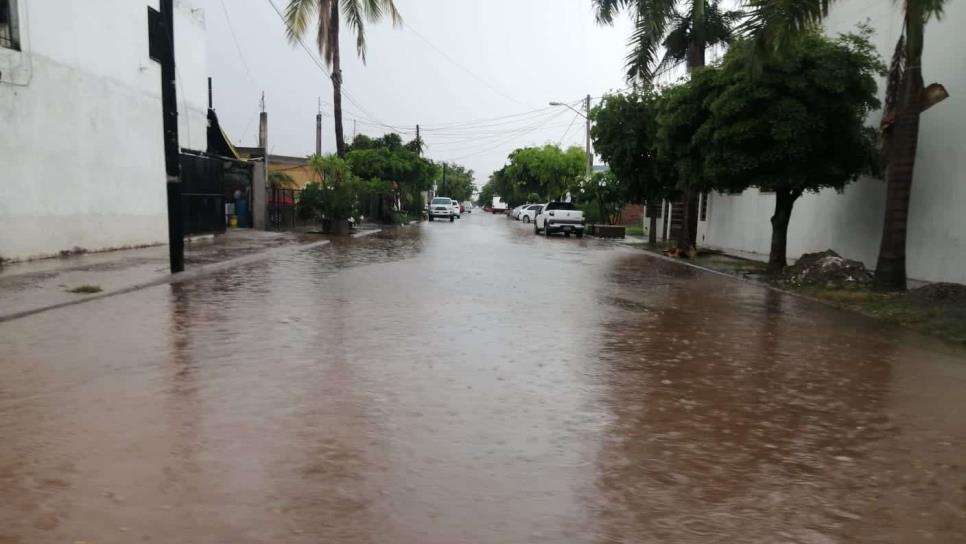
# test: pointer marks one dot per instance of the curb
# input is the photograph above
(752, 282)
(181, 277)
(365, 233)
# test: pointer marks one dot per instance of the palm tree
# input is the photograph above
(299, 14)
(774, 21)
(685, 35)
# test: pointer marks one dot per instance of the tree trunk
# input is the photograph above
(688, 240)
(784, 202)
(890, 270)
(652, 207)
(336, 80)
(696, 48)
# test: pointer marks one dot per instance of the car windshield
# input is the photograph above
(561, 206)
(535, 207)
(445, 201)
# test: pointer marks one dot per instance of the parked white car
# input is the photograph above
(441, 208)
(560, 217)
(529, 213)
(515, 212)
(456, 209)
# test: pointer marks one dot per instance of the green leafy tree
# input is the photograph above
(625, 134)
(335, 198)
(548, 171)
(777, 22)
(796, 126)
(392, 171)
(455, 181)
(485, 197)
(685, 30)
(329, 14)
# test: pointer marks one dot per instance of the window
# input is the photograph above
(703, 214)
(561, 206)
(9, 32)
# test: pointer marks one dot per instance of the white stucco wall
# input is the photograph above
(851, 223)
(81, 145)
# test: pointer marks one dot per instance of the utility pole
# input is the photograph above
(161, 49)
(419, 143)
(318, 130)
(590, 154)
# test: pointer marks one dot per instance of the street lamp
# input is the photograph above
(590, 155)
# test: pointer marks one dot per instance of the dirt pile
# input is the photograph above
(826, 269)
(939, 293)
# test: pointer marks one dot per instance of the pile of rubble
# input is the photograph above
(826, 269)
(939, 293)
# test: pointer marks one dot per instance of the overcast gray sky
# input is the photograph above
(453, 61)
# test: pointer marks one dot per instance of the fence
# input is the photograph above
(280, 209)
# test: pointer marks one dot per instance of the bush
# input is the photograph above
(336, 197)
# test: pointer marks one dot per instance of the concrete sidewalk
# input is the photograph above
(30, 287)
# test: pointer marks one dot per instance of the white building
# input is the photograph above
(80, 123)
(851, 222)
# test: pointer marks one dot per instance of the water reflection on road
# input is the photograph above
(471, 382)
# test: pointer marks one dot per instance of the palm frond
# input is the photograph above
(771, 24)
(326, 39)
(298, 13)
(606, 10)
(355, 17)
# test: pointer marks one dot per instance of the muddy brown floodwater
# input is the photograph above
(473, 383)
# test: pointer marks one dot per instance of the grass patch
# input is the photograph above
(85, 289)
(634, 230)
(944, 320)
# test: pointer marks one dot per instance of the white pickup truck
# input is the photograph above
(560, 217)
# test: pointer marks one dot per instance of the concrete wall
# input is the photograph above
(80, 107)
(851, 223)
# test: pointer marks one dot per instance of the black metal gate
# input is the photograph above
(208, 182)
(280, 209)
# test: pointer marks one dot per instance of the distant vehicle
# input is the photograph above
(487, 209)
(515, 212)
(456, 208)
(530, 212)
(441, 207)
(467, 207)
(560, 217)
(498, 205)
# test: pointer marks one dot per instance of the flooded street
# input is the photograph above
(470, 382)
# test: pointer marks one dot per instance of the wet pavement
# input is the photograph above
(34, 285)
(471, 382)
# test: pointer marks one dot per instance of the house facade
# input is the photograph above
(80, 106)
(851, 222)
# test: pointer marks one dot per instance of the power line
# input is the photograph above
(570, 126)
(324, 70)
(523, 132)
(446, 55)
(234, 38)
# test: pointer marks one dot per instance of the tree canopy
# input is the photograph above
(548, 171)
(796, 126)
(455, 181)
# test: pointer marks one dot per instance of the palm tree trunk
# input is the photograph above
(336, 80)
(695, 59)
(784, 202)
(890, 270)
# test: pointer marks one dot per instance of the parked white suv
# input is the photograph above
(440, 208)
(560, 217)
